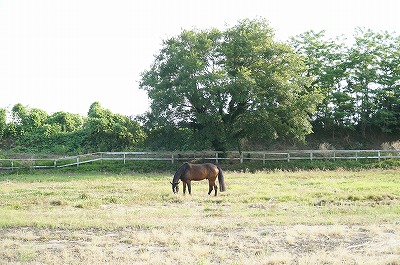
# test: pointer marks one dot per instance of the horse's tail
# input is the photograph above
(221, 180)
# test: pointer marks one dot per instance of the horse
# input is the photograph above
(188, 172)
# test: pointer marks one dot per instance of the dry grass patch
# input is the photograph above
(265, 245)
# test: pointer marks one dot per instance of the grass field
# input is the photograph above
(304, 217)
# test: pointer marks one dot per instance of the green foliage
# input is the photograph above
(3, 122)
(34, 131)
(170, 138)
(106, 131)
(360, 83)
(28, 119)
(231, 85)
(67, 121)
(325, 61)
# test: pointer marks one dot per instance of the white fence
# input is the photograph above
(212, 156)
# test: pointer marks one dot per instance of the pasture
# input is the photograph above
(304, 217)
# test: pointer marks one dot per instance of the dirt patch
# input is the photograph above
(296, 244)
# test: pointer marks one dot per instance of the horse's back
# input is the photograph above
(206, 166)
(203, 171)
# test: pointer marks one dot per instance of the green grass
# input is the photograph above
(278, 216)
(304, 197)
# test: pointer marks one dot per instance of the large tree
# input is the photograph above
(387, 98)
(380, 106)
(326, 62)
(373, 81)
(360, 83)
(230, 85)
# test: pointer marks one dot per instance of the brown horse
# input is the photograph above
(188, 172)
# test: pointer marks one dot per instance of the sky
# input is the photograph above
(63, 55)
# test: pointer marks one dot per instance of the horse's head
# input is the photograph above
(175, 187)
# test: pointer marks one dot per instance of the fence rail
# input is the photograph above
(213, 156)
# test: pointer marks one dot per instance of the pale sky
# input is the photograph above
(63, 55)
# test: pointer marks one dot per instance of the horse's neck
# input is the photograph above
(177, 176)
(179, 173)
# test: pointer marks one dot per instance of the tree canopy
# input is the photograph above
(227, 86)
(360, 83)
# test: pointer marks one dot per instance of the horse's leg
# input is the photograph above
(215, 189)
(184, 188)
(189, 184)
(210, 185)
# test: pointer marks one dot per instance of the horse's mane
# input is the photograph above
(180, 172)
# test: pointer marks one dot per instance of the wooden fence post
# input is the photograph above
(216, 157)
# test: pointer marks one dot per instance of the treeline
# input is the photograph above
(360, 83)
(33, 130)
(238, 89)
